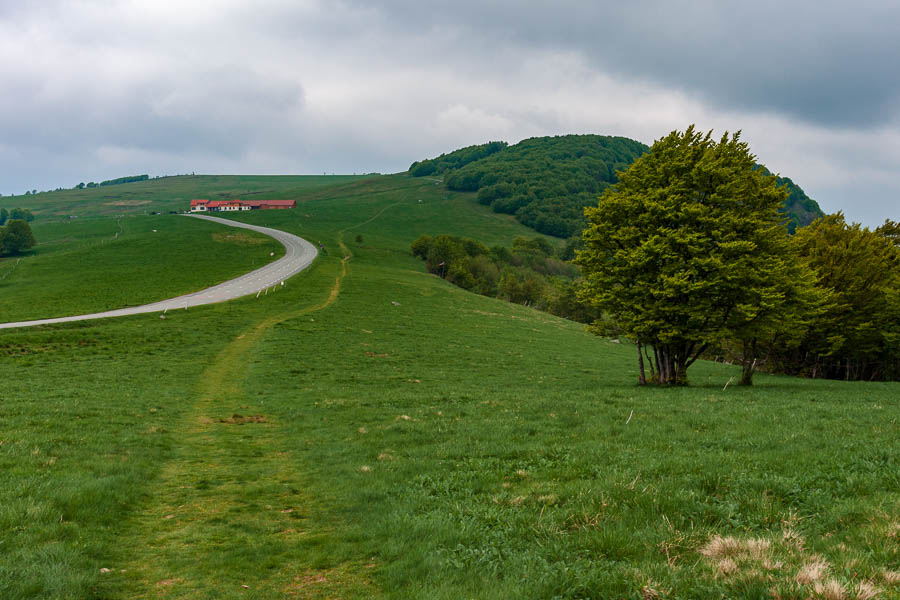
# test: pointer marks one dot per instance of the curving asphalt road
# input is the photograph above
(298, 255)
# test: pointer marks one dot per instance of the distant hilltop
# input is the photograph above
(547, 181)
(204, 205)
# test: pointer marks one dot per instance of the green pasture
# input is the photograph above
(167, 194)
(371, 431)
(96, 264)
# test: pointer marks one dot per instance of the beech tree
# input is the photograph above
(688, 248)
(856, 335)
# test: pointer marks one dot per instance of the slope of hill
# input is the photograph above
(547, 181)
(164, 194)
(800, 209)
(370, 431)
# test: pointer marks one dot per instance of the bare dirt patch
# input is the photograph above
(237, 419)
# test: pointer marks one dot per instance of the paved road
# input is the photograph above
(298, 255)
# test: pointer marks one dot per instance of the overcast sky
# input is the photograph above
(93, 90)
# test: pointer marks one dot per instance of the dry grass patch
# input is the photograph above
(793, 540)
(735, 558)
(720, 547)
(830, 590)
(509, 501)
(782, 562)
(648, 592)
(866, 590)
(891, 577)
(812, 572)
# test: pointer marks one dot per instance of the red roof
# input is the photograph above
(253, 203)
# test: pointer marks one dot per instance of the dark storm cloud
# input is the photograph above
(828, 63)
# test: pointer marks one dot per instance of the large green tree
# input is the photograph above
(689, 248)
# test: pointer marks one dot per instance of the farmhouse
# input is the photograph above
(204, 205)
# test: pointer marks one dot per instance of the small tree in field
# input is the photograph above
(15, 237)
(688, 248)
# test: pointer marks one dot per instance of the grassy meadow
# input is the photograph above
(167, 194)
(371, 431)
(96, 264)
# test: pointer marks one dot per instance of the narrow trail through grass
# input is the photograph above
(228, 511)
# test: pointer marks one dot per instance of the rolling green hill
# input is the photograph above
(371, 431)
(547, 181)
(165, 194)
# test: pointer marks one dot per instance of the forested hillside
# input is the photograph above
(455, 160)
(547, 181)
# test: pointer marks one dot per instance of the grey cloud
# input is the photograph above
(214, 110)
(825, 63)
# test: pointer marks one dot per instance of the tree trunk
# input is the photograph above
(659, 371)
(681, 368)
(749, 362)
(663, 365)
(670, 366)
(642, 379)
(653, 375)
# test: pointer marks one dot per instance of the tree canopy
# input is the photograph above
(856, 334)
(687, 248)
(16, 213)
(121, 180)
(454, 160)
(15, 237)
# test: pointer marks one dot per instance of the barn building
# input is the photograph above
(204, 205)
